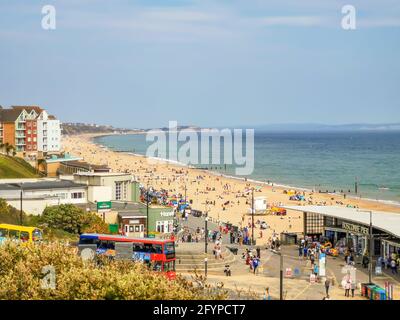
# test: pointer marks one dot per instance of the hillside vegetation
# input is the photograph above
(14, 167)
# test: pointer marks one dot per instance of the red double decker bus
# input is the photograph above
(158, 254)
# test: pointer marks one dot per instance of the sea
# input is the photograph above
(321, 161)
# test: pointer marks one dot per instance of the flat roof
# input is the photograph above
(64, 159)
(386, 221)
(41, 185)
(102, 174)
(85, 165)
(120, 206)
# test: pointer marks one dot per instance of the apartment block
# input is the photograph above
(29, 129)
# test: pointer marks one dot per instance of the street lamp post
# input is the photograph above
(252, 217)
(205, 244)
(370, 247)
(20, 212)
(147, 210)
(281, 276)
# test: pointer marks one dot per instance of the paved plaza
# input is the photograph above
(243, 284)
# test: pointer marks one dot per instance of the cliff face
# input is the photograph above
(79, 128)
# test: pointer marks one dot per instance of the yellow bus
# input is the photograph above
(20, 233)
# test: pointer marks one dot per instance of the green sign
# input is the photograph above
(101, 205)
(151, 235)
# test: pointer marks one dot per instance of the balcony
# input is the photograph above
(21, 128)
(20, 143)
(19, 135)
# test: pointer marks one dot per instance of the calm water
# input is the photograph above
(321, 161)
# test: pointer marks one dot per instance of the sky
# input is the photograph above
(141, 63)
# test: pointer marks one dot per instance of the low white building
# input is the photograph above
(122, 185)
(37, 195)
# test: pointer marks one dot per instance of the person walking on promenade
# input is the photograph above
(258, 250)
(352, 287)
(312, 259)
(347, 287)
(316, 270)
(305, 252)
(393, 266)
(327, 285)
(256, 263)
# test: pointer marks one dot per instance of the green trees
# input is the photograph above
(72, 219)
(21, 274)
(9, 214)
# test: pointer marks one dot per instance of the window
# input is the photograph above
(169, 266)
(170, 247)
(13, 234)
(3, 233)
(118, 186)
(77, 195)
(125, 190)
(24, 236)
(164, 226)
(314, 223)
(29, 131)
(34, 139)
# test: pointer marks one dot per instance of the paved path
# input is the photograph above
(244, 284)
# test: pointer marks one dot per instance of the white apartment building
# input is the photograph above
(48, 133)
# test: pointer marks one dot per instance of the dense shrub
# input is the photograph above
(21, 274)
(9, 214)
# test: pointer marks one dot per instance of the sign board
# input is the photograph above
(355, 228)
(167, 214)
(312, 278)
(378, 270)
(297, 272)
(103, 205)
(288, 272)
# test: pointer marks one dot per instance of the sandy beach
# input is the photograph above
(229, 199)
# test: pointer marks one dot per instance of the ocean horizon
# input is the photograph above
(320, 161)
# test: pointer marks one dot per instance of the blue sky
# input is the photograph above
(210, 63)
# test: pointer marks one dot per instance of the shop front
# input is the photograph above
(161, 219)
(390, 246)
(132, 224)
(344, 234)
